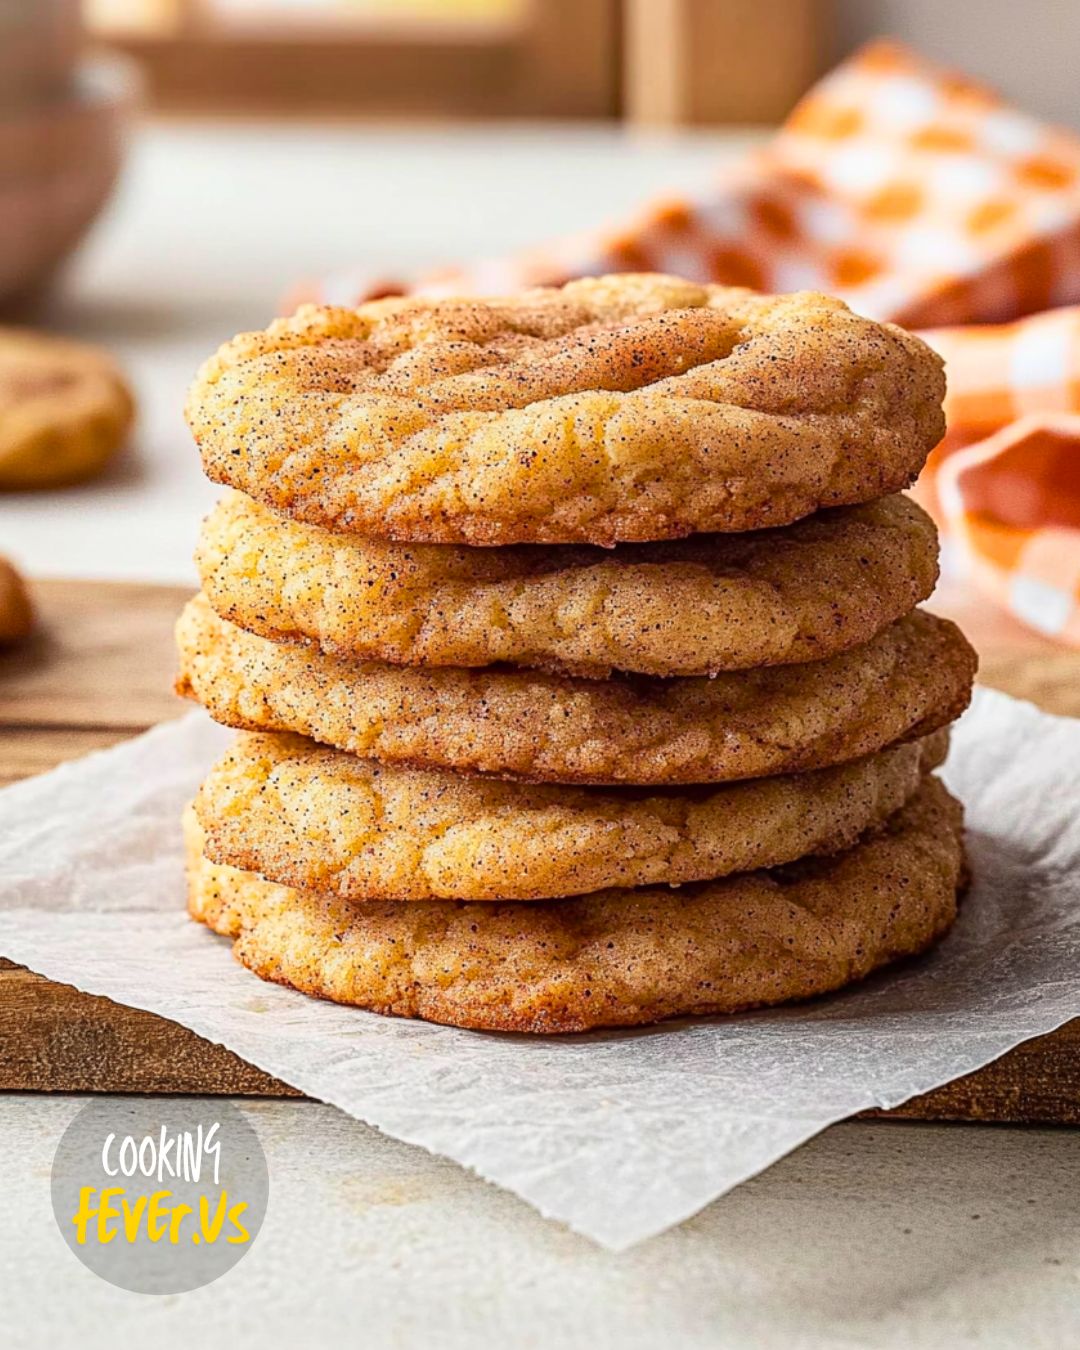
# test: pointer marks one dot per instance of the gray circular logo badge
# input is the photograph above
(159, 1194)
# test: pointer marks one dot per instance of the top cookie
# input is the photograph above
(612, 409)
(64, 410)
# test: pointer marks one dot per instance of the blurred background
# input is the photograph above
(172, 170)
(667, 61)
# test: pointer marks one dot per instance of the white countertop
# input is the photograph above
(890, 1235)
(873, 1235)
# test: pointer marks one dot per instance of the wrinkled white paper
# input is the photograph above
(618, 1134)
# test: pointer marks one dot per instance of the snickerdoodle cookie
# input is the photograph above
(16, 611)
(65, 410)
(614, 958)
(688, 607)
(612, 409)
(912, 678)
(302, 815)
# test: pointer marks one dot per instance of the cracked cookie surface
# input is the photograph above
(613, 958)
(688, 607)
(611, 409)
(912, 678)
(305, 816)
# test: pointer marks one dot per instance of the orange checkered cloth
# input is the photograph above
(917, 196)
(1004, 484)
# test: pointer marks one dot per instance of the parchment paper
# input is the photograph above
(622, 1134)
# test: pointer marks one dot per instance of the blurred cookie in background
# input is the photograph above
(16, 611)
(65, 410)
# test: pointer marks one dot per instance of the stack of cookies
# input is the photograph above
(574, 645)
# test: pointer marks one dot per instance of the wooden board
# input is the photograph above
(100, 670)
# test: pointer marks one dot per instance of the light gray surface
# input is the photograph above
(882, 1235)
(1027, 51)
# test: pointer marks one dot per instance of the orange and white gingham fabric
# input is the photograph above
(1001, 372)
(1004, 484)
(1013, 504)
(917, 196)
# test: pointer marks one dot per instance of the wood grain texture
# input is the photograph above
(712, 62)
(58, 1040)
(100, 670)
(558, 59)
(100, 659)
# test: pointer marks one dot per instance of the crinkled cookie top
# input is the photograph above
(612, 409)
(914, 677)
(304, 815)
(683, 607)
(613, 958)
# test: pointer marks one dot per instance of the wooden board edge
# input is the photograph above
(58, 1039)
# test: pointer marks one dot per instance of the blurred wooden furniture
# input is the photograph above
(688, 62)
(653, 62)
(99, 671)
(542, 58)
